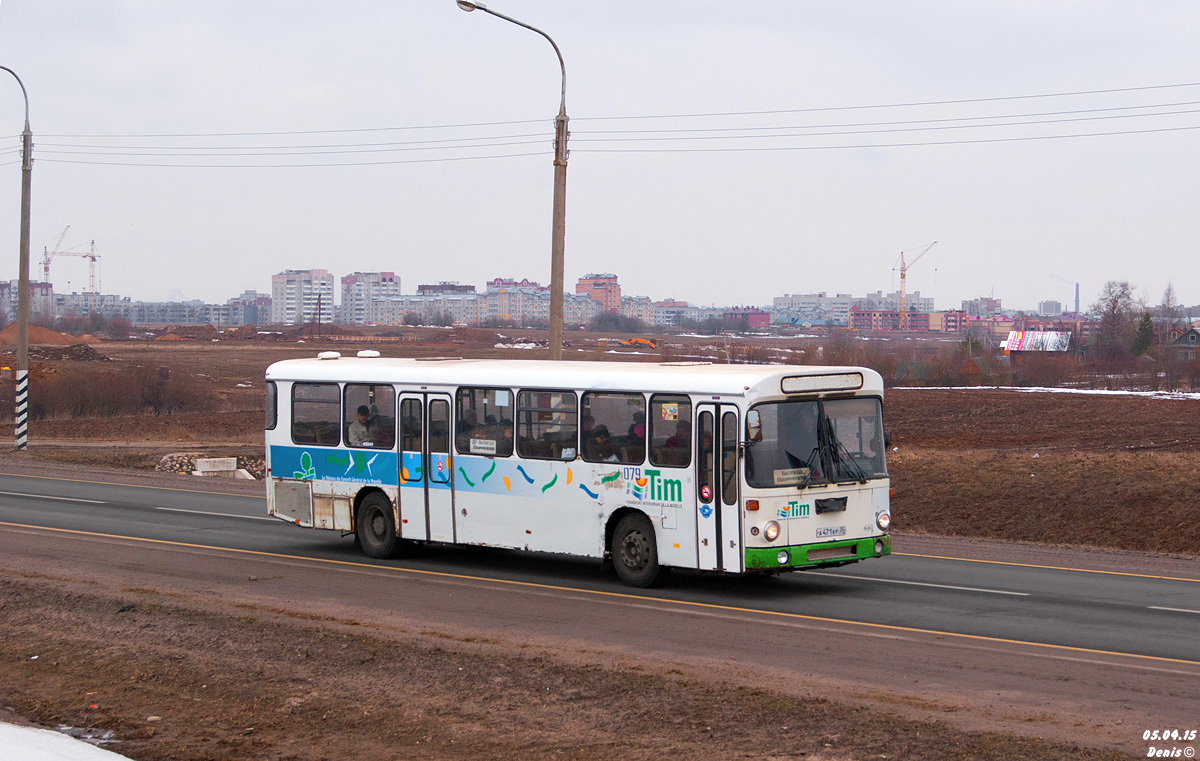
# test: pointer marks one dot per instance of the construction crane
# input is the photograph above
(917, 254)
(49, 253)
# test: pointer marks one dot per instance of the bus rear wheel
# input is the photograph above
(634, 552)
(375, 528)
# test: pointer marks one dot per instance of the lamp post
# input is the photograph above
(559, 222)
(21, 416)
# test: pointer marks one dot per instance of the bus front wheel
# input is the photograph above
(634, 552)
(375, 527)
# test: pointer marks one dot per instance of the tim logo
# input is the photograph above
(653, 486)
(794, 510)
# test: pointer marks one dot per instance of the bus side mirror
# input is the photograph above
(753, 426)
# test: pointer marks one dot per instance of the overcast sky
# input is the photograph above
(723, 153)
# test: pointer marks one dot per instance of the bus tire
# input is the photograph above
(375, 528)
(634, 552)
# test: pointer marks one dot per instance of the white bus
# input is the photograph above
(734, 468)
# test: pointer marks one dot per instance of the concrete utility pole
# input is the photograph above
(21, 416)
(559, 222)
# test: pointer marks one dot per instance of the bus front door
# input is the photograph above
(719, 519)
(426, 481)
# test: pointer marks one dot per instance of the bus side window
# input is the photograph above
(614, 427)
(670, 431)
(546, 425)
(272, 406)
(378, 429)
(316, 414)
(485, 421)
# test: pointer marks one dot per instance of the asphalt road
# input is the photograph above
(1117, 648)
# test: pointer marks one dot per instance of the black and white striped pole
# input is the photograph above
(21, 416)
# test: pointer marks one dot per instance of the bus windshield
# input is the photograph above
(815, 442)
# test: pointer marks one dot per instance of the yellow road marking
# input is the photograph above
(1048, 567)
(617, 595)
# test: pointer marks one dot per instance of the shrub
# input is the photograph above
(105, 393)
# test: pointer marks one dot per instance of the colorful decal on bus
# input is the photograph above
(794, 509)
(358, 466)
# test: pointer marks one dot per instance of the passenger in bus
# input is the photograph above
(465, 429)
(676, 449)
(637, 429)
(358, 432)
(600, 447)
(634, 449)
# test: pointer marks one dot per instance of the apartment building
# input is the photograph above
(360, 290)
(602, 288)
(302, 296)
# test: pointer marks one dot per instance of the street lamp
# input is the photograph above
(559, 224)
(21, 417)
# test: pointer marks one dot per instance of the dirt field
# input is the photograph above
(270, 684)
(173, 676)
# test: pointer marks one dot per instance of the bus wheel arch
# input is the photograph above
(633, 548)
(375, 524)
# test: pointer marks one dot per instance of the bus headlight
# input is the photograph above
(771, 531)
(883, 520)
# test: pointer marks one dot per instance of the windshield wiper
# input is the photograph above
(835, 449)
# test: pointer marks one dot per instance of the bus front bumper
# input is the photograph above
(823, 553)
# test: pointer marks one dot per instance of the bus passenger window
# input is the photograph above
(614, 428)
(370, 415)
(670, 431)
(485, 422)
(316, 414)
(546, 425)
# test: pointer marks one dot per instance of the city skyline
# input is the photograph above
(799, 147)
(297, 296)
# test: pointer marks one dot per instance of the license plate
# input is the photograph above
(823, 533)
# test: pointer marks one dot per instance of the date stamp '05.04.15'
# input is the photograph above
(1170, 743)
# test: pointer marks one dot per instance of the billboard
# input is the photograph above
(1037, 340)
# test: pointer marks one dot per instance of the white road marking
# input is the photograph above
(220, 515)
(47, 496)
(166, 509)
(918, 584)
(1173, 610)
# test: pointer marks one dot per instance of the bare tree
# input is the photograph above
(1170, 313)
(1112, 343)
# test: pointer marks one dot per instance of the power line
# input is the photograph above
(818, 109)
(883, 145)
(286, 166)
(890, 123)
(299, 152)
(547, 134)
(842, 133)
(308, 132)
(726, 134)
(915, 104)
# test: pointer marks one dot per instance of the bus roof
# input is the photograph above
(681, 377)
